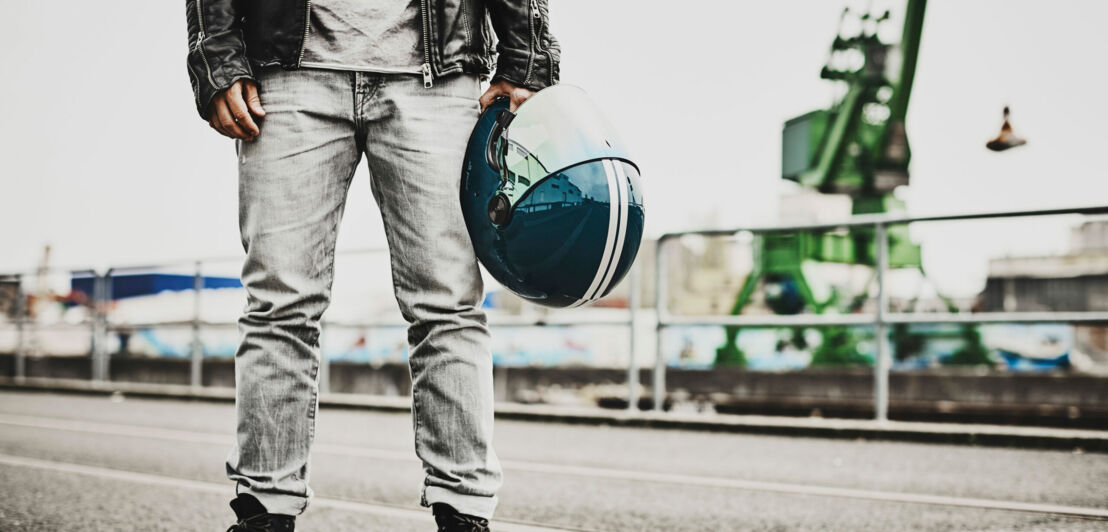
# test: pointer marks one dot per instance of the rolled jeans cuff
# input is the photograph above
(475, 505)
(278, 503)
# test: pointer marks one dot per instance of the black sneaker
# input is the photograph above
(449, 520)
(253, 517)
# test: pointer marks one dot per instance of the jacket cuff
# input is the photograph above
(214, 65)
(513, 68)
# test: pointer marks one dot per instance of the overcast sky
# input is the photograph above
(102, 155)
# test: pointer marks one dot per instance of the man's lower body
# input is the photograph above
(293, 181)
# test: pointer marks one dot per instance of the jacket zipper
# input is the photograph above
(200, 41)
(307, 28)
(535, 15)
(538, 38)
(537, 27)
(425, 68)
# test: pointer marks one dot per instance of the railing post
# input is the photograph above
(882, 359)
(632, 368)
(94, 317)
(99, 338)
(105, 326)
(660, 301)
(20, 324)
(197, 355)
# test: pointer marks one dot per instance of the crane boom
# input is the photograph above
(859, 146)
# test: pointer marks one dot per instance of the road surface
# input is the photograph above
(73, 462)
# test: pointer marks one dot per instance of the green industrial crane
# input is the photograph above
(858, 147)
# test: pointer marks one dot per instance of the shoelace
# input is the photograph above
(258, 523)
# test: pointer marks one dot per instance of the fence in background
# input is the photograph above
(100, 325)
(879, 320)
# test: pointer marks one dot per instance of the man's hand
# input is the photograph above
(516, 94)
(232, 109)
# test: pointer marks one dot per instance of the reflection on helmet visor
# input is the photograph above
(556, 128)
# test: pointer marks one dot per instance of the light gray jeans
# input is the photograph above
(293, 182)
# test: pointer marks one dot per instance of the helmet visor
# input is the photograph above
(556, 128)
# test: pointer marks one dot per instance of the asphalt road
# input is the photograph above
(70, 462)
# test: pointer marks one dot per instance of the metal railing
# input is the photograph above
(101, 325)
(879, 320)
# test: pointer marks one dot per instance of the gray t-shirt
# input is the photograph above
(365, 35)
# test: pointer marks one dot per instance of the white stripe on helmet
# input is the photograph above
(621, 230)
(609, 242)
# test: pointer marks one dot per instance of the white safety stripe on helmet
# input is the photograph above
(621, 231)
(609, 242)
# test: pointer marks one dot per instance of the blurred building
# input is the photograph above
(9, 298)
(1076, 281)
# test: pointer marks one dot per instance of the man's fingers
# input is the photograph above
(231, 111)
(227, 122)
(214, 120)
(488, 97)
(239, 111)
(518, 96)
(252, 99)
(495, 92)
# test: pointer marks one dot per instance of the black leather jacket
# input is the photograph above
(230, 39)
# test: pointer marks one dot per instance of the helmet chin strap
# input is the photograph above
(499, 132)
(500, 206)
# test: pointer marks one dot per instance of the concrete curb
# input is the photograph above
(949, 433)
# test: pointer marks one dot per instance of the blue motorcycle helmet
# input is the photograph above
(551, 199)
